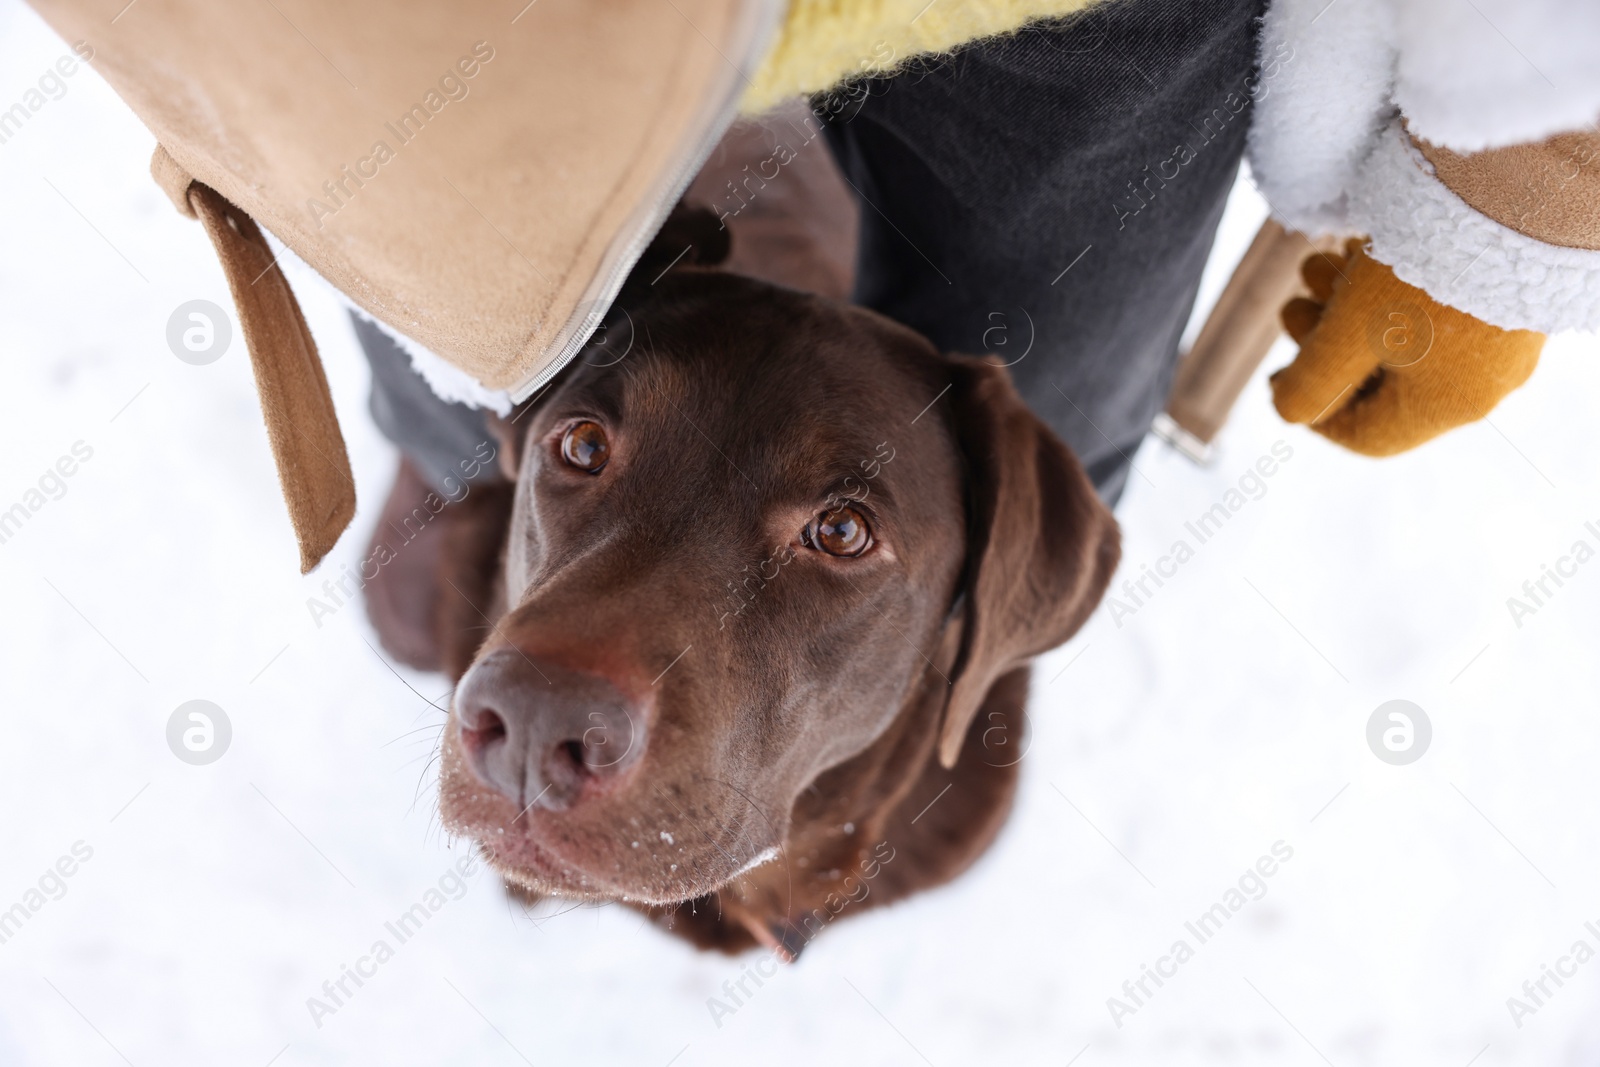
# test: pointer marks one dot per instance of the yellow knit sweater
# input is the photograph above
(822, 42)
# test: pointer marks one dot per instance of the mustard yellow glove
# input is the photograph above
(1383, 366)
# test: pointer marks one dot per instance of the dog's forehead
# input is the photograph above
(774, 375)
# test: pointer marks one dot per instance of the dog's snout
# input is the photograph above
(542, 735)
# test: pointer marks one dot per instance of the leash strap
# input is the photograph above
(302, 426)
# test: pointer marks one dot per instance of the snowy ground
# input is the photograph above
(1225, 715)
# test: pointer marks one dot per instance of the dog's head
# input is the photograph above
(750, 532)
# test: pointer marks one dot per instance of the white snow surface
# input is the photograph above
(1167, 753)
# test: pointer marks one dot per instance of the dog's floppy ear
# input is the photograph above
(691, 237)
(1041, 547)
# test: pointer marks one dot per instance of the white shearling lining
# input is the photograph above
(1320, 114)
(1436, 241)
(447, 381)
(1476, 74)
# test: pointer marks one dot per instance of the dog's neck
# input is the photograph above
(885, 823)
(837, 822)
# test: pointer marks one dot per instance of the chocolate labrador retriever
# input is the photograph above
(742, 639)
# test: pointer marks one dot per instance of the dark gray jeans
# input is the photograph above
(1050, 196)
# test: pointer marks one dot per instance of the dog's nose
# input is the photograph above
(539, 734)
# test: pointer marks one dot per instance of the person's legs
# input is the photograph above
(440, 439)
(1051, 197)
(439, 492)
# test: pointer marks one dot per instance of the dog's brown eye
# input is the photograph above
(585, 447)
(841, 532)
